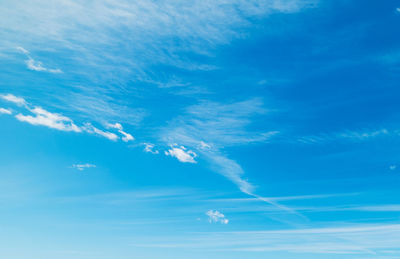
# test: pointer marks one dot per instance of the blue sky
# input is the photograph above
(199, 129)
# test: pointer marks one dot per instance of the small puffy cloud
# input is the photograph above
(216, 216)
(14, 99)
(126, 137)
(398, 9)
(393, 167)
(48, 119)
(93, 130)
(183, 155)
(149, 148)
(34, 65)
(5, 111)
(82, 167)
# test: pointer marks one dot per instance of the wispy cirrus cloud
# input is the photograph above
(209, 127)
(82, 167)
(150, 22)
(88, 127)
(37, 65)
(5, 111)
(150, 34)
(346, 240)
(285, 198)
(350, 135)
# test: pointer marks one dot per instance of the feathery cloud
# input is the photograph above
(364, 240)
(36, 65)
(346, 135)
(5, 111)
(22, 50)
(82, 167)
(209, 127)
(89, 128)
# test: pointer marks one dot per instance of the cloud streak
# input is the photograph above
(82, 167)
(209, 127)
(351, 135)
(349, 240)
(5, 111)
(37, 65)
(88, 127)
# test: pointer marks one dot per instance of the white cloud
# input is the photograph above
(14, 99)
(88, 127)
(216, 216)
(82, 167)
(57, 121)
(37, 66)
(393, 167)
(126, 137)
(48, 119)
(21, 49)
(114, 126)
(149, 148)
(230, 169)
(209, 127)
(183, 155)
(34, 65)
(5, 111)
(398, 10)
